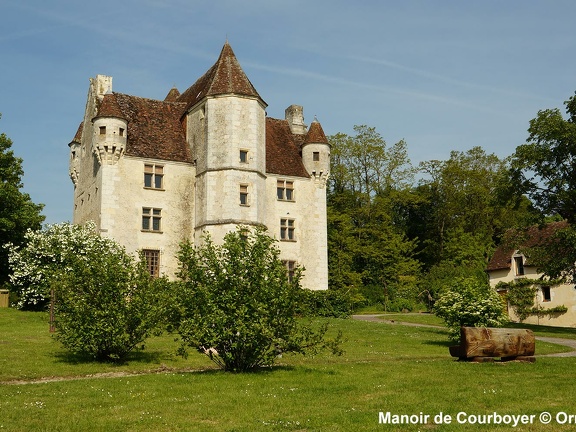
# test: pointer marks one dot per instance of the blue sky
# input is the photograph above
(443, 75)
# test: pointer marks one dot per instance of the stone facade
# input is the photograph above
(153, 173)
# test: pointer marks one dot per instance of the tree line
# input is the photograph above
(398, 233)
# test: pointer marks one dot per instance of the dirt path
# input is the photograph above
(558, 341)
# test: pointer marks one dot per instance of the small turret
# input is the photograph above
(316, 153)
(109, 131)
(74, 164)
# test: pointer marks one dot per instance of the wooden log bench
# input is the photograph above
(487, 344)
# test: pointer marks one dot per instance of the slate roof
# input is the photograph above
(156, 129)
(502, 258)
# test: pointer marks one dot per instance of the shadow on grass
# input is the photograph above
(146, 357)
(559, 331)
(446, 343)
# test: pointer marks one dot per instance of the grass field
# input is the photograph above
(386, 368)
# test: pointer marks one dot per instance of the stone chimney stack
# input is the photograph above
(103, 85)
(294, 114)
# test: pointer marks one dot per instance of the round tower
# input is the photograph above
(110, 131)
(316, 152)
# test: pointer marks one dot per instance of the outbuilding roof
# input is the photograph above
(532, 236)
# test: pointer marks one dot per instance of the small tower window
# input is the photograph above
(316, 156)
(102, 130)
(151, 218)
(290, 269)
(121, 132)
(244, 195)
(244, 156)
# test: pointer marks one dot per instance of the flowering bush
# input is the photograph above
(469, 302)
(46, 255)
(106, 303)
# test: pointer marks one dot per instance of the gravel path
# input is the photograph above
(559, 341)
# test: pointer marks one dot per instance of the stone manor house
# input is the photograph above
(152, 173)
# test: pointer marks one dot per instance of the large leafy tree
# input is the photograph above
(462, 211)
(544, 168)
(369, 252)
(17, 211)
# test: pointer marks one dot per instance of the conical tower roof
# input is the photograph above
(224, 77)
(315, 134)
(109, 107)
(172, 95)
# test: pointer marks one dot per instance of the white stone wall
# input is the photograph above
(124, 197)
(218, 131)
(308, 210)
(88, 175)
(321, 167)
(560, 295)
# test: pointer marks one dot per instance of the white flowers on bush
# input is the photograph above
(45, 257)
(471, 303)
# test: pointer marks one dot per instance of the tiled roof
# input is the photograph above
(502, 258)
(78, 137)
(109, 107)
(283, 149)
(154, 128)
(224, 77)
(315, 134)
(172, 95)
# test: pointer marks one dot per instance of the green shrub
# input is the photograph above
(236, 305)
(470, 302)
(105, 301)
(108, 304)
(326, 303)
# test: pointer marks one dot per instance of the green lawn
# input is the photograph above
(386, 368)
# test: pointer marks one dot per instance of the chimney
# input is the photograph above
(295, 116)
(103, 85)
